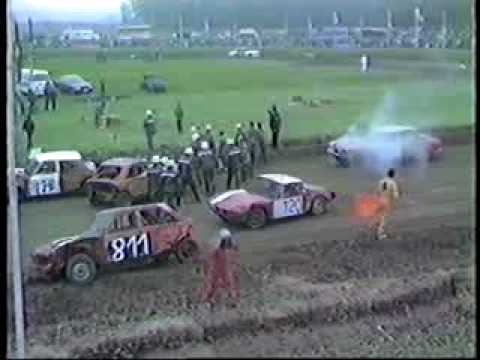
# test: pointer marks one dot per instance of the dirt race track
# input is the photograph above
(431, 232)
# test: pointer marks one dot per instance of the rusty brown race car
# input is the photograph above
(121, 181)
(279, 196)
(120, 236)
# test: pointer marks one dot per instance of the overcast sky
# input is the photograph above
(66, 10)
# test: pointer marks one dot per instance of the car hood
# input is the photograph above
(237, 200)
(50, 248)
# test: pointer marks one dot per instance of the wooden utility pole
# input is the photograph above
(13, 230)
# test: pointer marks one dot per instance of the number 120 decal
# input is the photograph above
(124, 248)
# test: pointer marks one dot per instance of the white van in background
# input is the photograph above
(34, 79)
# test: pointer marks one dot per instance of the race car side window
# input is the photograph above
(164, 217)
(149, 217)
(47, 167)
(125, 221)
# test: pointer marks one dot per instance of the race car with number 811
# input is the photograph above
(120, 236)
(278, 196)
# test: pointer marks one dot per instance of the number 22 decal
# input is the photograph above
(123, 248)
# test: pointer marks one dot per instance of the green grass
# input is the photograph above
(421, 87)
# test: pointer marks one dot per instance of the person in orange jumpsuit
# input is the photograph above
(221, 270)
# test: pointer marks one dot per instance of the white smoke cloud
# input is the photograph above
(381, 150)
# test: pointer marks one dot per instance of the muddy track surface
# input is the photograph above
(431, 230)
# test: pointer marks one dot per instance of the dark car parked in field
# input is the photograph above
(132, 235)
(74, 85)
(153, 84)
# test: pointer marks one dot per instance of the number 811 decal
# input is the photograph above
(129, 247)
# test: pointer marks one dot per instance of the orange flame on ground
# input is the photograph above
(368, 207)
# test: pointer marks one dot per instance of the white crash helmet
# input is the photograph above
(194, 129)
(225, 233)
(188, 151)
(239, 126)
(149, 113)
(230, 141)
(164, 160)
(208, 127)
(156, 159)
(195, 137)
(204, 145)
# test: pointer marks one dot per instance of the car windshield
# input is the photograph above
(72, 79)
(109, 171)
(266, 188)
(39, 77)
(102, 222)
(31, 167)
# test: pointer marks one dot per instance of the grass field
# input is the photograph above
(421, 87)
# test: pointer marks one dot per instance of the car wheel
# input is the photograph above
(123, 199)
(187, 249)
(92, 197)
(81, 269)
(319, 206)
(256, 218)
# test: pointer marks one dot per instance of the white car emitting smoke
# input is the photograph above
(381, 147)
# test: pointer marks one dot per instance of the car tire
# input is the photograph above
(123, 199)
(319, 206)
(256, 218)
(81, 269)
(92, 196)
(187, 249)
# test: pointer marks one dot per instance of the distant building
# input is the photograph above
(80, 37)
(134, 35)
(333, 37)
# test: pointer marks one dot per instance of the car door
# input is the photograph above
(125, 240)
(161, 227)
(290, 203)
(138, 181)
(72, 174)
(46, 180)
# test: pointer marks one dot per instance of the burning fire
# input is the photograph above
(368, 207)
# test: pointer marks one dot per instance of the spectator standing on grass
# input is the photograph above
(179, 117)
(208, 164)
(149, 128)
(275, 125)
(261, 142)
(29, 128)
(208, 137)
(221, 155)
(31, 101)
(50, 96)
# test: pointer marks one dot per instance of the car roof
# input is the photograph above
(393, 128)
(118, 210)
(70, 76)
(281, 178)
(35, 71)
(126, 161)
(58, 155)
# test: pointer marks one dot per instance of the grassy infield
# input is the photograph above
(421, 87)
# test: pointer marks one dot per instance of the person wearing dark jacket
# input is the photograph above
(234, 161)
(29, 128)
(221, 155)
(169, 185)
(149, 128)
(275, 125)
(240, 135)
(50, 96)
(261, 142)
(252, 142)
(179, 117)
(185, 170)
(208, 164)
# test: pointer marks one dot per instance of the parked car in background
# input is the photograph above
(392, 144)
(278, 196)
(53, 173)
(73, 85)
(153, 84)
(119, 181)
(245, 52)
(134, 235)
(35, 80)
